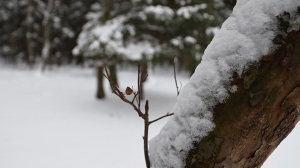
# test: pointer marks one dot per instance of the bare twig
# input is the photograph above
(174, 62)
(145, 78)
(120, 94)
(139, 86)
(135, 94)
(146, 132)
(167, 115)
(136, 105)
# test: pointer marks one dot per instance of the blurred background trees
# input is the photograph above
(115, 32)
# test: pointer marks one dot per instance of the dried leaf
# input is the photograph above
(128, 91)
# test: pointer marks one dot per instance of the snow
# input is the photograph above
(136, 51)
(244, 38)
(189, 39)
(188, 11)
(212, 30)
(160, 12)
(52, 120)
(294, 25)
(107, 39)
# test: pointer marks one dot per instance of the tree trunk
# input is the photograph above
(100, 86)
(257, 117)
(144, 73)
(47, 34)
(29, 32)
(108, 5)
(113, 73)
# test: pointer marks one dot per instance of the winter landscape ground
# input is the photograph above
(52, 120)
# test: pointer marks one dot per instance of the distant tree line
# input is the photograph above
(33, 30)
(56, 32)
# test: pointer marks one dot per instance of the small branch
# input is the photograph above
(147, 108)
(146, 132)
(135, 94)
(137, 98)
(174, 62)
(139, 86)
(120, 94)
(167, 115)
(145, 78)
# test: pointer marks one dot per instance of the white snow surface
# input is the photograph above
(52, 120)
(244, 38)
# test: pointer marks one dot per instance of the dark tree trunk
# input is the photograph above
(47, 34)
(113, 73)
(29, 33)
(144, 73)
(255, 119)
(100, 85)
(108, 5)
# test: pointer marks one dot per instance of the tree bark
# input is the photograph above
(47, 34)
(113, 73)
(257, 117)
(108, 5)
(144, 73)
(29, 33)
(100, 85)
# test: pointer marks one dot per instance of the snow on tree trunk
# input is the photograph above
(243, 98)
(256, 118)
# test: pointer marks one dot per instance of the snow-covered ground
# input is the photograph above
(52, 120)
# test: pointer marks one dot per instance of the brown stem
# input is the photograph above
(137, 97)
(139, 86)
(175, 76)
(146, 130)
(167, 115)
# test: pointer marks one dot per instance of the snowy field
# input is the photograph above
(52, 120)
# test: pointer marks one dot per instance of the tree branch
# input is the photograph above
(174, 62)
(167, 115)
(137, 98)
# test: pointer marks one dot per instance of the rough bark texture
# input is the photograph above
(258, 116)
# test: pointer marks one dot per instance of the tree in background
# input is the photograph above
(12, 33)
(181, 29)
(101, 39)
(23, 34)
(148, 30)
